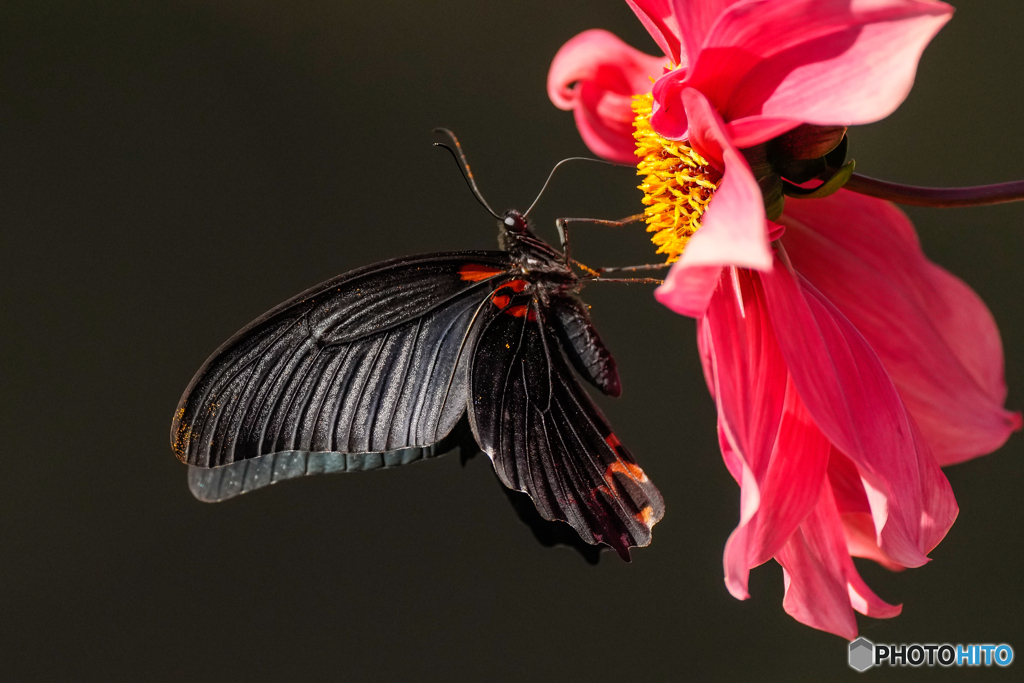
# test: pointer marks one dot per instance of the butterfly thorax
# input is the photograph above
(538, 262)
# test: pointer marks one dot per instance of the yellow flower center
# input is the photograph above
(677, 186)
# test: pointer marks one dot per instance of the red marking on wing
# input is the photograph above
(613, 441)
(520, 311)
(515, 285)
(474, 272)
(501, 300)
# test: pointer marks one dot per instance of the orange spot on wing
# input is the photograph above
(519, 311)
(613, 441)
(474, 272)
(627, 468)
(501, 301)
(645, 516)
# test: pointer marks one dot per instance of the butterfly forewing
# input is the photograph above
(372, 361)
(544, 433)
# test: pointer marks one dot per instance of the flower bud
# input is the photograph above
(806, 151)
(808, 142)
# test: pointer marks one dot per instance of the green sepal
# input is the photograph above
(830, 186)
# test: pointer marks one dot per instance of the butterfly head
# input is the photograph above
(514, 222)
(529, 251)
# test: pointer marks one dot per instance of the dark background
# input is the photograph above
(170, 170)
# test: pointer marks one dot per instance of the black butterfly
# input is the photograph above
(375, 368)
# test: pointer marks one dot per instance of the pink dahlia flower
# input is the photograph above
(846, 367)
(735, 75)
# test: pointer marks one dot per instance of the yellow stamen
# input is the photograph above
(677, 186)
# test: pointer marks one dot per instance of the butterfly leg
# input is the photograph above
(632, 269)
(634, 280)
(563, 227)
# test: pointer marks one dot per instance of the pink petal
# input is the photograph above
(747, 378)
(605, 122)
(793, 482)
(753, 131)
(670, 118)
(855, 511)
(695, 18)
(822, 585)
(734, 229)
(847, 487)
(853, 401)
(787, 492)
(596, 75)
(769, 443)
(660, 22)
(829, 62)
(747, 369)
(861, 539)
(935, 337)
(689, 291)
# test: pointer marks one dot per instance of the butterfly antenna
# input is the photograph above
(563, 161)
(460, 159)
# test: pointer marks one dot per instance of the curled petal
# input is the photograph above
(855, 511)
(861, 540)
(670, 118)
(600, 57)
(658, 18)
(827, 62)
(822, 586)
(605, 122)
(596, 75)
(935, 337)
(851, 398)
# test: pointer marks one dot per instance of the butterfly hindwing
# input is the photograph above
(371, 361)
(215, 484)
(582, 345)
(544, 434)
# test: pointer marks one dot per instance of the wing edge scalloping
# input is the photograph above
(253, 474)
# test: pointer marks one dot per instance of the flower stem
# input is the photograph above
(938, 197)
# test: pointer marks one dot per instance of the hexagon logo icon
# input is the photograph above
(862, 654)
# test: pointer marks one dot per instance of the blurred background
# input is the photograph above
(171, 169)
